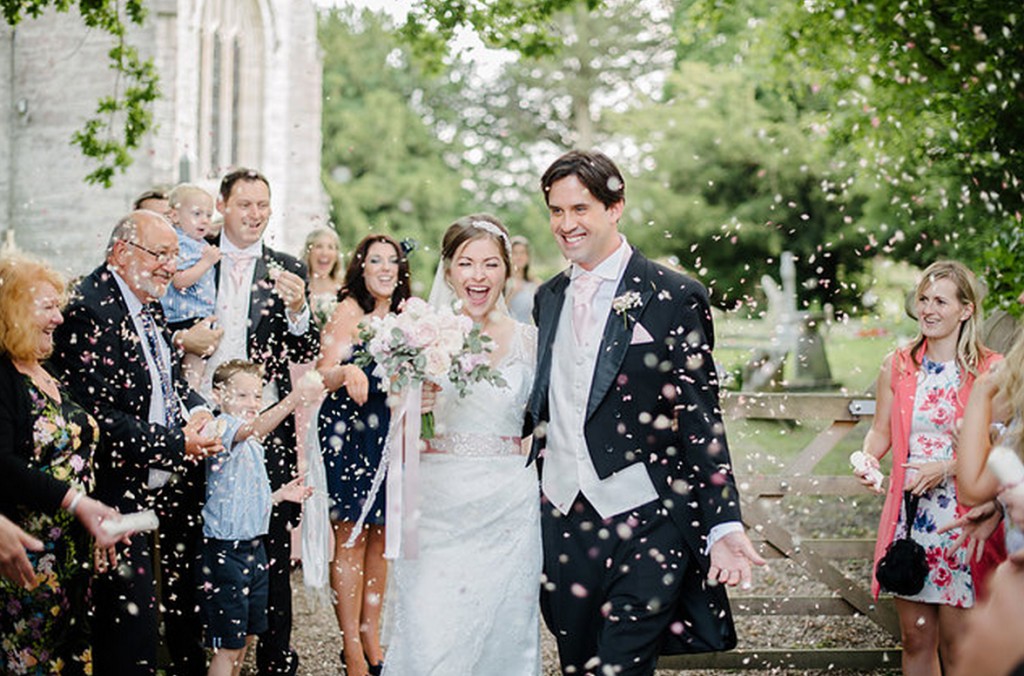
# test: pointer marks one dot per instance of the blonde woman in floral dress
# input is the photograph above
(46, 447)
(921, 393)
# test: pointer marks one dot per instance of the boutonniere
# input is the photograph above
(626, 301)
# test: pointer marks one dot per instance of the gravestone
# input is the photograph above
(795, 333)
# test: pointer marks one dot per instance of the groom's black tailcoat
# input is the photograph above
(631, 417)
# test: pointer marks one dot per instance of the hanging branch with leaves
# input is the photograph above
(519, 25)
(124, 117)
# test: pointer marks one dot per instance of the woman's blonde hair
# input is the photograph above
(307, 249)
(20, 279)
(1009, 378)
(969, 348)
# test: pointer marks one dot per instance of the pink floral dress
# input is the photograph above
(949, 579)
(45, 631)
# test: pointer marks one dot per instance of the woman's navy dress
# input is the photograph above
(352, 440)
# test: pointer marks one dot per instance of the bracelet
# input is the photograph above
(73, 505)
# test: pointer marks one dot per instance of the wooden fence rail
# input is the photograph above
(817, 558)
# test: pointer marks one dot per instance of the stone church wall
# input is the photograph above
(52, 72)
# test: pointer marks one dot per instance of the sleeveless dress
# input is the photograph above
(352, 441)
(45, 631)
(949, 579)
(468, 604)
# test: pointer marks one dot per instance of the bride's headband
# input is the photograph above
(496, 231)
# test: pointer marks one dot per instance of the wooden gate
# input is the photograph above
(816, 557)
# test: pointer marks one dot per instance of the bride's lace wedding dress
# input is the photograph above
(468, 604)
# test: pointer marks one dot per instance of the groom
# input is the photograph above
(640, 514)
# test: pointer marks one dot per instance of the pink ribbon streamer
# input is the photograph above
(410, 544)
(401, 462)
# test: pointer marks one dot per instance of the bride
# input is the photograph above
(467, 605)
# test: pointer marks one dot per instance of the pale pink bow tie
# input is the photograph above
(584, 287)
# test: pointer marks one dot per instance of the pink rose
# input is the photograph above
(469, 361)
(421, 335)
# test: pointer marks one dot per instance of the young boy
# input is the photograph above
(192, 294)
(236, 516)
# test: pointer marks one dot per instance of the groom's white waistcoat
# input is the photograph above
(568, 468)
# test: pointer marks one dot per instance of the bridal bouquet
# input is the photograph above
(424, 343)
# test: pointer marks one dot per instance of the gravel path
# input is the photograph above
(317, 639)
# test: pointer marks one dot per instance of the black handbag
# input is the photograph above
(904, 568)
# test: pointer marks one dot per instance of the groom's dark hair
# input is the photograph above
(595, 171)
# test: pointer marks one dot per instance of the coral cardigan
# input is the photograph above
(904, 389)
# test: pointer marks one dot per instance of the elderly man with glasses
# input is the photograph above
(115, 354)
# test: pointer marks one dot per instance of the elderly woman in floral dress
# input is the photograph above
(46, 447)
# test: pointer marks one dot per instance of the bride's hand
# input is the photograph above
(429, 396)
(356, 383)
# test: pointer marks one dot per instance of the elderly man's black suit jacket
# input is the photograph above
(99, 356)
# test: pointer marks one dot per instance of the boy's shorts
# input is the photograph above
(234, 583)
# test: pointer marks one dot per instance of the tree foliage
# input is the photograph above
(123, 117)
(611, 58)
(929, 97)
(834, 129)
(519, 25)
(726, 173)
(383, 167)
(737, 177)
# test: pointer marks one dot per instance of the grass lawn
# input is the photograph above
(855, 351)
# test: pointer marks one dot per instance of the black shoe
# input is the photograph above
(375, 669)
(289, 667)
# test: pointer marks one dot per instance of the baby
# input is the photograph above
(192, 294)
(236, 516)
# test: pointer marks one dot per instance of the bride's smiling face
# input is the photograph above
(477, 274)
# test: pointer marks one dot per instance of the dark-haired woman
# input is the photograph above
(353, 425)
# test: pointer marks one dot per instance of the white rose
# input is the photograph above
(438, 364)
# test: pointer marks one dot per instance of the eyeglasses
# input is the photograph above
(161, 257)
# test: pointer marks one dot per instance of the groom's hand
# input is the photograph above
(731, 557)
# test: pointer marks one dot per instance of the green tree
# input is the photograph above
(610, 58)
(541, 104)
(736, 177)
(383, 167)
(519, 25)
(928, 96)
(123, 117)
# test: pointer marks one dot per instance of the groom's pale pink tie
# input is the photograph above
(241, 263)
(583, 289)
